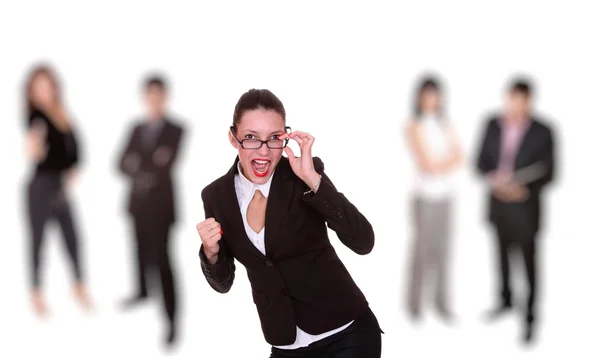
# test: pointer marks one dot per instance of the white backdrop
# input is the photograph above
(346, 74)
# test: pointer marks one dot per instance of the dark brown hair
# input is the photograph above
(428, 83)
(40, 70)
(155, 80)
(522, 86)
(256, 99)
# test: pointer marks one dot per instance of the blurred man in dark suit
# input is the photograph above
(516, 156)
(148, 160)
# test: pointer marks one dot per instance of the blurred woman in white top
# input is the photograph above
(437, 154)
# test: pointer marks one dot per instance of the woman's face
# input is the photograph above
(258, 164)
(430, 100)
(42, 91)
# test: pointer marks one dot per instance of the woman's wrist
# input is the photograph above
(313, 180)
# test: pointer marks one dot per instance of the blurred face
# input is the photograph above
(517, 105)
(258, 164)
(42, 91)
(430, 100)
(155, 99)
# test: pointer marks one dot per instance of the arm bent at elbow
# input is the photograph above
(351, 226)
(484, 165)
(221, 274)
(130, 160)
(216, 260)
(548, 159)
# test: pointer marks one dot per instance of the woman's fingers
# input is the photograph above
(290, 154)
(304, 140)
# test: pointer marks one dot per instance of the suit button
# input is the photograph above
(285, 292)
(270, 263)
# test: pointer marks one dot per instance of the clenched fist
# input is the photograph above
(210, 233)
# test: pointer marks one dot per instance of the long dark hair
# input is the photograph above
(428, 83)
(256, 99)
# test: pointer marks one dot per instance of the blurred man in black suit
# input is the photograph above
(515, 140)
(148, 161)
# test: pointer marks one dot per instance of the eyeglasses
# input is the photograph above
(257, 143)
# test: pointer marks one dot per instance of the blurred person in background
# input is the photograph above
(52, 148)
(271, 213)
(148, 160)
(513, 141)
(438, 154)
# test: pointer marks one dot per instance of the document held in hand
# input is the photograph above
(530, 173)
(521, 176)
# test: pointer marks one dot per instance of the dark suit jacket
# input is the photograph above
(537, 146)
(301, 281)
(151, 180)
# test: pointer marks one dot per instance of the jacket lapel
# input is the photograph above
(229, 204)
(525, 146)
(279, 203)
(162, 134)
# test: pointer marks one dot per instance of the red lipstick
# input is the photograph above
(267, 164)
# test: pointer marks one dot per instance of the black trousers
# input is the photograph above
(46, 201)
(513, 237)
(152, 243)
(362, 339)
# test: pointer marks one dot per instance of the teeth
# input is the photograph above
(261, 161)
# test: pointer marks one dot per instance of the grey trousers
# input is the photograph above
(430, 248)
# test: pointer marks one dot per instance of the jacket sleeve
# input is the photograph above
(484, 166)
(129, 160)
(546, 157)
(221, 275)
(172, 148)
(341, 216)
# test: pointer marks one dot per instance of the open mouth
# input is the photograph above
(260, 167)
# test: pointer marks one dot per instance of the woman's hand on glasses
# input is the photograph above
(302, 166)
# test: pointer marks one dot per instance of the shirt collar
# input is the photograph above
(248, 187)
(520, 125)
(157, 123)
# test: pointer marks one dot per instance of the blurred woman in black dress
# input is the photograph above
(53, 151)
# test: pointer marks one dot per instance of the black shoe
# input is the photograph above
(171, 336)
(133, 301)
(528, 335)
(498, 312)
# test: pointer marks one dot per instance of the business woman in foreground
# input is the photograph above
(271, 214)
